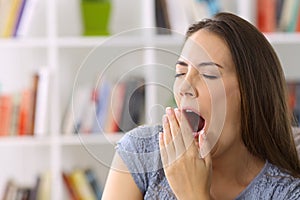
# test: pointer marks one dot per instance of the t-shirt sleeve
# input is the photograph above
(139, 150)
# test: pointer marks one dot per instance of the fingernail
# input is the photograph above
(177, 112)
(169, 110)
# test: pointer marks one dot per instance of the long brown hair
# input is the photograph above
(265, 117)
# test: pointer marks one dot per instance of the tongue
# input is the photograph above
(195, 121)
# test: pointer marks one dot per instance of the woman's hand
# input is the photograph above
(188, 174)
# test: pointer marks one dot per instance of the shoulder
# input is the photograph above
(273, 183)
(139, 149)
(282, 183)
(142, 139)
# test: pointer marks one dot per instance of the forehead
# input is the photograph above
(204, 46)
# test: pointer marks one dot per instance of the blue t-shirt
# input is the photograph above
(139, 149)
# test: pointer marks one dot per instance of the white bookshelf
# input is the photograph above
(56, 43)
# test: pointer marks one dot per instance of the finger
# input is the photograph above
(178, 140)
(204, 147)
(166, 129)
(203, 144)
(174, 125)
(163, 153)
(168, 140)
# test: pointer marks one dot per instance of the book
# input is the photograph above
(298, 21)
(19, 16)
(178, 18)
(33, 106)
(6, 106)
(161, 17)
(89, 114)
(15, 114)
(10, 190)
(81, 185)
(34, 190)
(103, 101)
(11, 18)
(74, 113)
(44, 188)
(289, 15)
(24, 113)
(70, 187)
(41, 93)
(4, 12)
(23, 193)
(266, 15)
(294, 101)
(25, 23)
(279, 8)
(92, 180)
(117, 103)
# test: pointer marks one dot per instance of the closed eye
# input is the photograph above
(180, 74)
(209, 76)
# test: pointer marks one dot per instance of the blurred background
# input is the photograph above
(75, 75)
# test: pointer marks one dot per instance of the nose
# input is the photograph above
(187, 88)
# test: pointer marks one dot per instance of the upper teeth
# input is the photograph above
(188, 110)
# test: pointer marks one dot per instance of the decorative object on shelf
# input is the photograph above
(95, 17)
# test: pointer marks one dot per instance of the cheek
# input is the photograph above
(233, 102)
(176, 93)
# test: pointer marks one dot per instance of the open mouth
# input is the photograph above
(195, 121)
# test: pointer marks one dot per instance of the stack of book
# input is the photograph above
(108, 108)
(15, 17)
(82, 184)
(278, 15)
(41, 189)
(25, 112)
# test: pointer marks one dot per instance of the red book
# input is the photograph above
(72, 192)
(25, 113)
(266, 15)
(5, 114)
(298, 21)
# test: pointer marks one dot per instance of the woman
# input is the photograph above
(229, 138)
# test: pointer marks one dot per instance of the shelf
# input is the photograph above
(115, 41)
(283, 38)
(108, 138)
(24, 141)
(91, 139)
(23, 43)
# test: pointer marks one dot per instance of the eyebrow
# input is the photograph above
(203, 64)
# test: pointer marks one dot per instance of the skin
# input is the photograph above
(228, 168)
